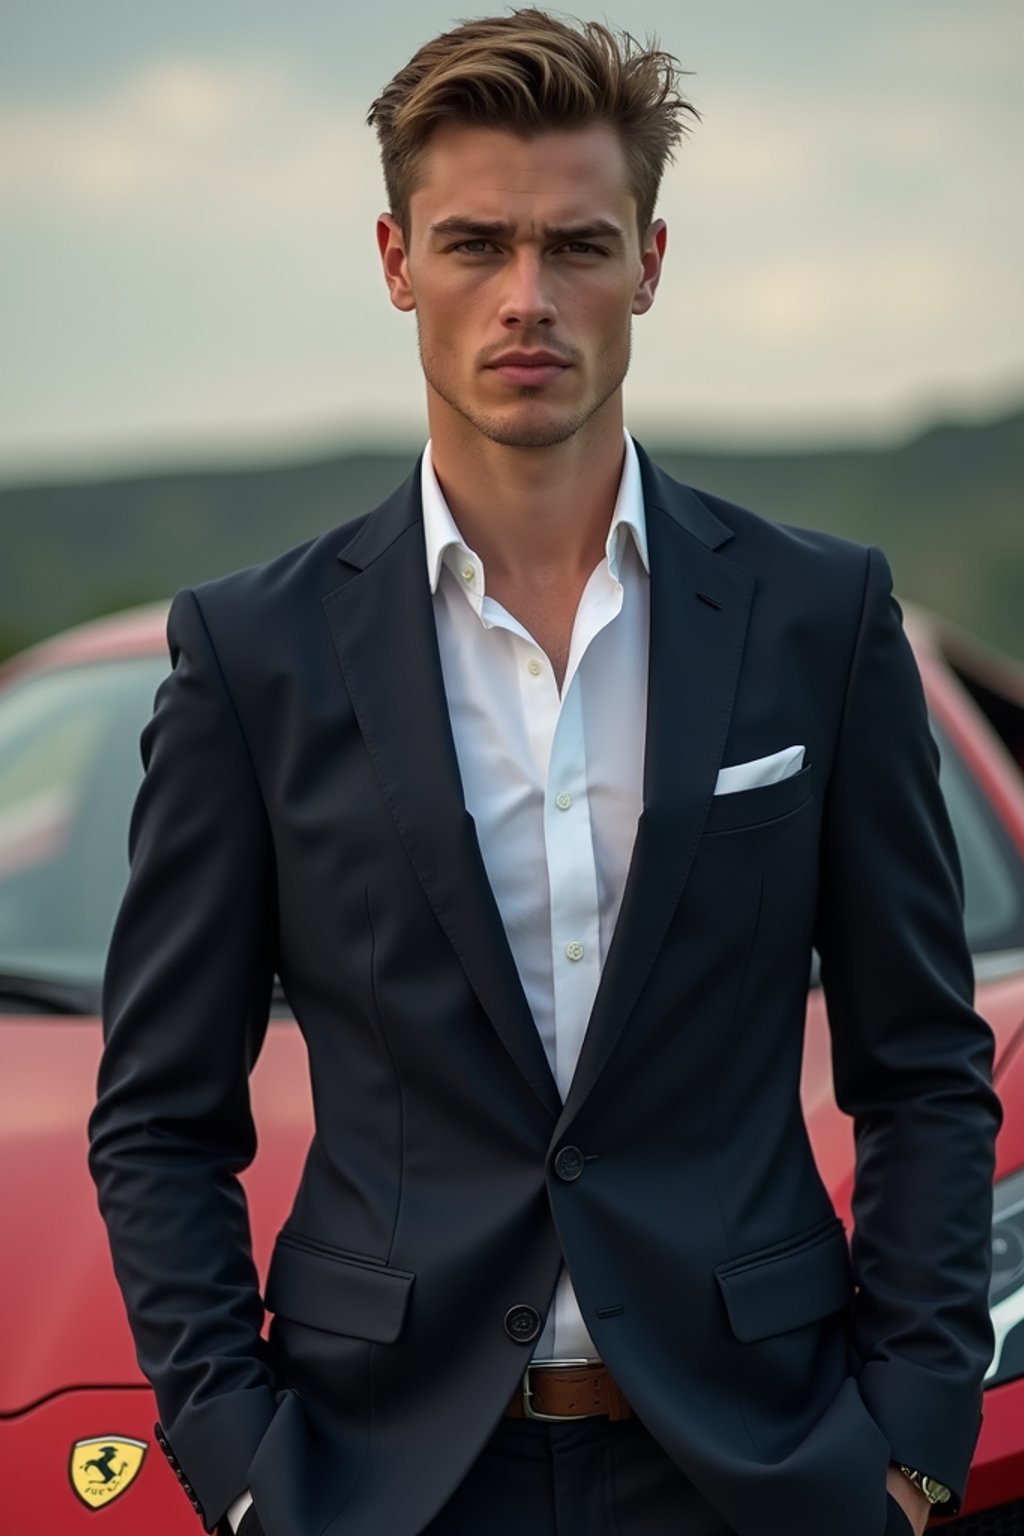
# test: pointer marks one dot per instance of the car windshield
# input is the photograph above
(69, 771)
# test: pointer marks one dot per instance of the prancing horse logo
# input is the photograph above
(102, 1469)
(104, 1462)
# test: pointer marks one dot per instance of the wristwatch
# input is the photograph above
(934, 1492)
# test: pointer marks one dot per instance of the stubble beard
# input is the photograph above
(521, 432)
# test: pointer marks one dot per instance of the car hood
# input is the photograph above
(62, 1321)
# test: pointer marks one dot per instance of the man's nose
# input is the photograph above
(527, 299)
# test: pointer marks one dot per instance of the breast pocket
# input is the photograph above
(759, 807)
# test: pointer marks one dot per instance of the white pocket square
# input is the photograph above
(760, 771)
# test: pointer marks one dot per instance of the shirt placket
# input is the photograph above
(572, 881)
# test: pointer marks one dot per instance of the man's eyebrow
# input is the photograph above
(602, 229)
(497, 229)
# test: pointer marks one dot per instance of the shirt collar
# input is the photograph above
(446, 546)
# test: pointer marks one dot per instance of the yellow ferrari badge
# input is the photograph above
(103, 1468)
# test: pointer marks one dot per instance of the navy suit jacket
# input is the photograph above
(302, 813)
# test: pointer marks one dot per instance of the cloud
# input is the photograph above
(951, 38)
(794, 300)
(238, 137)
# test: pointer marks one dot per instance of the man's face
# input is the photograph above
(522, 246)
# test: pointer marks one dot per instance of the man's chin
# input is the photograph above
(527, 427)
(533, 434)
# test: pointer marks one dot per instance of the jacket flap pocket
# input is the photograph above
(338, 1292)
(766, 803)
(789, 1284)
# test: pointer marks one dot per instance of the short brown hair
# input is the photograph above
(528, 73)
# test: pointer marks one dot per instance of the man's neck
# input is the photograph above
(535, 516)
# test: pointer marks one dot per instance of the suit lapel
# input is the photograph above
(700, 604)
(382, 623)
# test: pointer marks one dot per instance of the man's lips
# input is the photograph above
(522, 368)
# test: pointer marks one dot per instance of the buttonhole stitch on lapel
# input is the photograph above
(706, 597)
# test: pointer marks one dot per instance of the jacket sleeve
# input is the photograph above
(912, 1060)
(186, 1000)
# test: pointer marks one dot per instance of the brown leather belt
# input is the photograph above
(572, 1389)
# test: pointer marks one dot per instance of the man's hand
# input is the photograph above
(910, 1499)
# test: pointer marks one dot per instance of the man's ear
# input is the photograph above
(395, 261)
(651, 257)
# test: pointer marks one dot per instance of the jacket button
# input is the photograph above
(522, 1324)
(569, 1163)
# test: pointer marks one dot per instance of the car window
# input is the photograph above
(69, 771)
(992, 870)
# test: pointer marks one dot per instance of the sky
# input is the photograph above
(188, 194)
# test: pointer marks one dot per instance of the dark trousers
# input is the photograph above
(588, 1477)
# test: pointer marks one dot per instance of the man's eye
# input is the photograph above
(464, 245)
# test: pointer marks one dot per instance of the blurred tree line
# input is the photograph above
(946, 507)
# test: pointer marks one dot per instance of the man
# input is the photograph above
(536, 786)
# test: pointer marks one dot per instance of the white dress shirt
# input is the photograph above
(553, 781)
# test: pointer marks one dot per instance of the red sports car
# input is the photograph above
(76, 1417)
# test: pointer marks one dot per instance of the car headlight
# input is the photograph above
(1006, 1294)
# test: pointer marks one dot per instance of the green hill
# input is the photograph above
(946, 507)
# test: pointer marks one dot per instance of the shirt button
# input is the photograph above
(563, 801)
(468, 572)
(534, 667)
(574, 951)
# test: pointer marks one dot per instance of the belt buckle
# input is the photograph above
(551, 1365)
